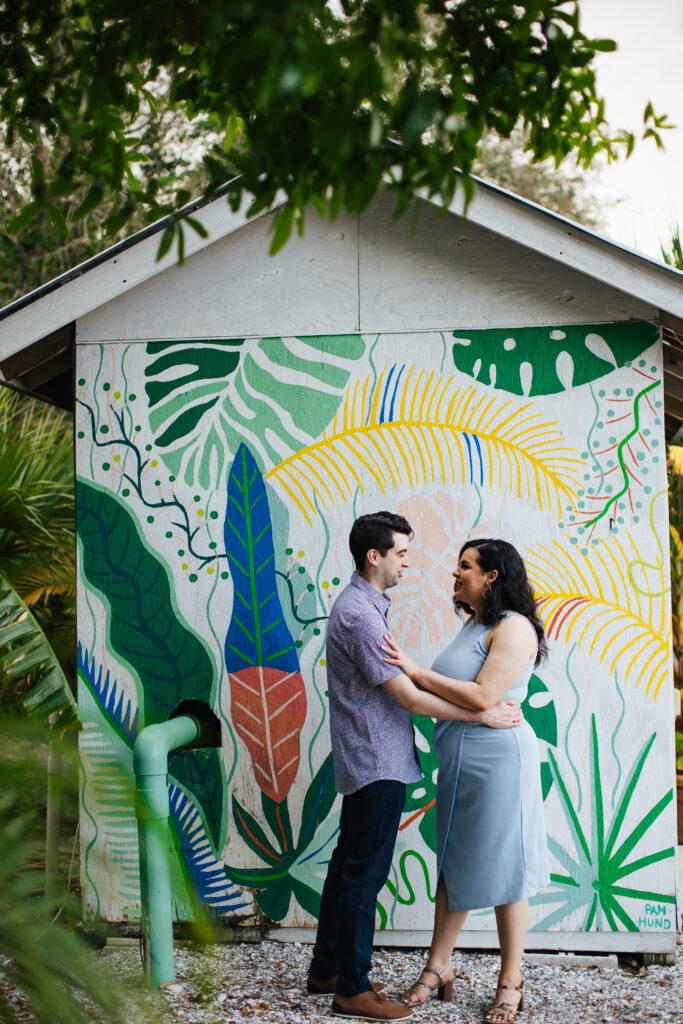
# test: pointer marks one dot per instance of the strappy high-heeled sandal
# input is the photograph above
(443, 988)
(506, 1013)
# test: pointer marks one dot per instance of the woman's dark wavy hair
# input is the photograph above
(511, 591)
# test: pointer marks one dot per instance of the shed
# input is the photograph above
(508, 374)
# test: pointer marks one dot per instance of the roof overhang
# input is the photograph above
(37, 331)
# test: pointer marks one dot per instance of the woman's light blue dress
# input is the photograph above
(491, 840)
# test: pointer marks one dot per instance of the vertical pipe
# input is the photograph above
(150, 759)
(53, 810)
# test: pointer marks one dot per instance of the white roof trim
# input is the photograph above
(574, 246)
(492, 208)
(113, 277)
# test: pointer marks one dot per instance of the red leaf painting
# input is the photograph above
(268, 709)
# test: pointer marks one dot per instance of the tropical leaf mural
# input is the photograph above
(110, 830)
(108, 800)
(592, 599)
(539, 711)
(600, 857)
(118, 709)
(276, 394)
(268, 697)
(545, 360)
(222, 476)
(207, 874)
(293, 867)
(168, 661)
(421, 796)
(411, 428)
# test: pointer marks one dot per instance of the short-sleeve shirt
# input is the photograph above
(372, 735)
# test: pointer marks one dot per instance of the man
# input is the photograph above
(374, 755)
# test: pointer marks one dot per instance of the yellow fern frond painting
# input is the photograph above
(411, 428)
(596, 600)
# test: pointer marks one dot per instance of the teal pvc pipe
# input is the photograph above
(150, 762)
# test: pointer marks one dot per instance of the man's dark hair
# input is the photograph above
(375, 530)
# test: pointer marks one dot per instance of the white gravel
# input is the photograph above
(265, 982)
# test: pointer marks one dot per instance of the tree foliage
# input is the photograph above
(302, 96)
(172, 147)
(672, 251)
(567, 191)
(37, 574)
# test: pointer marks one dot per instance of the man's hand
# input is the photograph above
(502, 715)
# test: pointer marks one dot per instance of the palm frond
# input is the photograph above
(413, 428)
(593, 600)
(36, 470)
(39, 581)
(27, 656)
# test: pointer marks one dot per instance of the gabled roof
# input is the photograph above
(37, 330)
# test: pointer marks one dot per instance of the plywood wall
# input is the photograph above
(233, 416)
(217, 482)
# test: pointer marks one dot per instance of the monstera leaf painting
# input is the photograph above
(545, 360)
(268, 698)
(276, 393)
(168, 661)
(539, 711)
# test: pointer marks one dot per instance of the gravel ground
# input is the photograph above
(264, 982)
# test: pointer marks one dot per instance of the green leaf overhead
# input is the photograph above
(546, 360)
(294, 98)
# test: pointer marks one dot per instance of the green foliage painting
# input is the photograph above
(600, 858)
(544, 360)
(293, 866)
(217, 483)
(275, 394)
(167, 659)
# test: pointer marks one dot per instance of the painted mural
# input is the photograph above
(217, 482)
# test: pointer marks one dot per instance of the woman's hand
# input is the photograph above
(399, 658)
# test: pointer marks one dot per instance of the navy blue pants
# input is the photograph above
(358, 869)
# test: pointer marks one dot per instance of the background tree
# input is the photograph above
(55, 240)
(672, 251)
(508, 163)
(302, 95)
(37, 571)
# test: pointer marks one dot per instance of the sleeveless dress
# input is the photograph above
(491, 840)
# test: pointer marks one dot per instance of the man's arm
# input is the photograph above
(420, 702)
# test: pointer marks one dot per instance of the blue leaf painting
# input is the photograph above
(206, 873)
(268, 696)
(258, 633)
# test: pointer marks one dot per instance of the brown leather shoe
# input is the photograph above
(369, 1006)
(325, 986)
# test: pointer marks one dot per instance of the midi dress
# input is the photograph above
(490, 831)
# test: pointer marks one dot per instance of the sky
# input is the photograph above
(642, 197)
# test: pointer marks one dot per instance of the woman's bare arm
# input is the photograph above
(512, 644)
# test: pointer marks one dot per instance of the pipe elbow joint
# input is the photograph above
(154, 743)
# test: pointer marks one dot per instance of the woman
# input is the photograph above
(491, 843)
